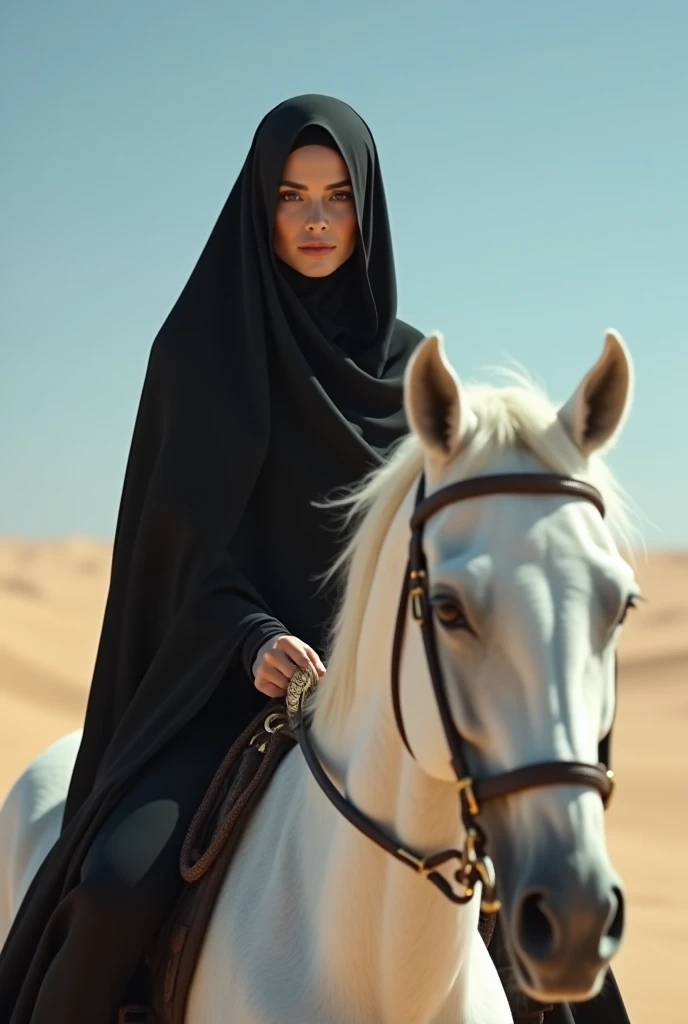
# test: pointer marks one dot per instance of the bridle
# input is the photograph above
(474, 863)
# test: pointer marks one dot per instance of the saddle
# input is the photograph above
(210, 843)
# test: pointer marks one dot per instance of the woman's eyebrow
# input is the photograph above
(304, 188)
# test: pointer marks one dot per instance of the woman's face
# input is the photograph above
(315, 223)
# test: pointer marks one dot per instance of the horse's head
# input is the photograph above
(528, 594)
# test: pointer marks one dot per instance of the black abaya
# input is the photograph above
(130, 878)
(256, 402)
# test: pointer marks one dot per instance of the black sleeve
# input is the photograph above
(266, 627)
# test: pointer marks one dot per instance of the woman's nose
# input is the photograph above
(316, 218)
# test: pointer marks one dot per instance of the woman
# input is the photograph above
(276, 379)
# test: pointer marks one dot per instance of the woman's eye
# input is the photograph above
(450, 614)
(289, 197)
(342, 197)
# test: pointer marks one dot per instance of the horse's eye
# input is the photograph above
(631, 603)
(450, 614)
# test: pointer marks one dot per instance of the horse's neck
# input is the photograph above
(410, 940)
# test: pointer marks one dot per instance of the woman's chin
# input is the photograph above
(315, 268)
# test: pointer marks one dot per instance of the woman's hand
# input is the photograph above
(278, 659)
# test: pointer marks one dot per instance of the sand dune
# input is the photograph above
(51, 603)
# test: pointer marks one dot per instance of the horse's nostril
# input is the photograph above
(615, 930)
(612, 937)
(536, 932)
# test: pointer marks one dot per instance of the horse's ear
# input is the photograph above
(435, 407)
(596, 411)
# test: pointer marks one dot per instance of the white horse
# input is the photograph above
(30, 821)
(315, 923)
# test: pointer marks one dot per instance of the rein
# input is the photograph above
(474, 864)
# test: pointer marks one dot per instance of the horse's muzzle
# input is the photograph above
(563, 933)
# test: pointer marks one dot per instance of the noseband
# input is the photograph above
(474, 863)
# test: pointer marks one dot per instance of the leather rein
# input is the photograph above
(474, 864)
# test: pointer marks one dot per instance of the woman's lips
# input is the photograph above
(317, 250)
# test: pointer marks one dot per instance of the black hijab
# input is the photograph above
(263, 392)
(336, 339)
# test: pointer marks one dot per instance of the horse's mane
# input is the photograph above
(518, 415)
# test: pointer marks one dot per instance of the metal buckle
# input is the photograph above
(274, 722)
(417, 594)
(478, 869)
(417, 863)
(465, 786)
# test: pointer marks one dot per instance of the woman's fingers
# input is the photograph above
(282, 662)
(269, 689)
(315, 661)
(277, 661)
(294, 649)
(272, 673)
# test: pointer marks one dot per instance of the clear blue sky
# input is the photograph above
(535, 156)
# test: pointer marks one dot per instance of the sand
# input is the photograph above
(51, 603)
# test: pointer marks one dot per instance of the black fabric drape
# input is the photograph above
(257, 400)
